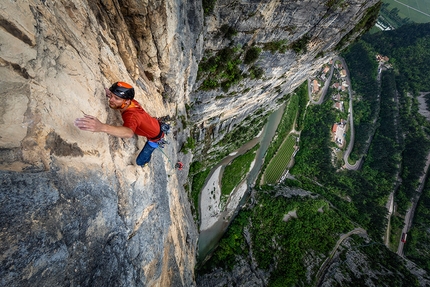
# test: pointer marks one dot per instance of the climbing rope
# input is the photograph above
(179, 165)
(165, 128)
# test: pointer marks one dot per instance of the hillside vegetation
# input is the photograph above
(287, 231)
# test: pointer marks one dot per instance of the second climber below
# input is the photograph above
(136, 121)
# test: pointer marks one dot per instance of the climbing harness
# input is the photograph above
(165, 127)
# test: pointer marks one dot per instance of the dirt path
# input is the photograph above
(333, 255)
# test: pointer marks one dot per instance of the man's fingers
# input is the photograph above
(88, 123)
(86, 120)
(82, 123)
(82, 120)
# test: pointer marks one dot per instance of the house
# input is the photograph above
(315, 86)
(382, 59)
(339, 105)
(323, 77)
(343, 73)
(334, 128)
(339, 136)
(335, 86)
(326, 69)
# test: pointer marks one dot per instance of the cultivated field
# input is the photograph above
(278, 164)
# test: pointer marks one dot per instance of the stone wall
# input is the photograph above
(75, 208)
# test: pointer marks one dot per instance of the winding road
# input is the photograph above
(324, 89)
(357, 164)
(347, 165)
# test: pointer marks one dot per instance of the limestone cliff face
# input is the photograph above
(308, 33)
(75, 208)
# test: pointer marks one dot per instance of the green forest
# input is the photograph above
(236, 171)
(276, 239)
(393, 138)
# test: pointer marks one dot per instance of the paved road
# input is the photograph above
(411, 212)
(390, 207)
(357, 164)
(324, 89)
(347, 165)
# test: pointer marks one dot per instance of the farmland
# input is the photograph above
(281, 148)
(279, 163)
(417, 11)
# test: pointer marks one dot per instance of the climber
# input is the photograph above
(136, 121)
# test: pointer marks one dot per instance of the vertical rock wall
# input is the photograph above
(310, 31)
(75, 208)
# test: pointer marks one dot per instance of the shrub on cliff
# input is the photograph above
(256, 72)
(276, 46)
(252, 55)
(300, 46)
(221, 69)
(228, 31)
(208, 6)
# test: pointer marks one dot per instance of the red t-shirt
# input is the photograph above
(140, 122)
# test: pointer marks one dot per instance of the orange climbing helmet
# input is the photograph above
(122, 90)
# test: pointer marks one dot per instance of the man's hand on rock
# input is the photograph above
(89, 123)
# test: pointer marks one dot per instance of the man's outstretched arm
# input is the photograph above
(92, 124)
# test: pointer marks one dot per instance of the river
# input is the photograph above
(208, 238)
